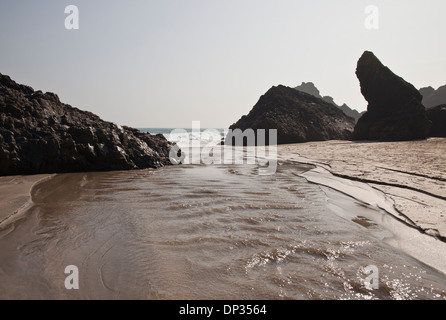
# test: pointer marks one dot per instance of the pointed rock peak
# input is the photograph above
(297, 116)
(368, 65)
(432, 97)
(369, 57)
(369, 62)
(310, 88)
(380, 86)
(394, 111)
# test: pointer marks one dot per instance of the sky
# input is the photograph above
(166, 63)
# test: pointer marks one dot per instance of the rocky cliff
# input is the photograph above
(394, 111)
(438, 117)
(310, 88)
(432, 97)
(297, 116)
(40, 134)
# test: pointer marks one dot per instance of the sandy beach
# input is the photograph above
(177, 227)
(410, 174)
(15, 194)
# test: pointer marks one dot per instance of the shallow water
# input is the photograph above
(204, 232)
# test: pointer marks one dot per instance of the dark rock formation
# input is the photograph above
(297, 116)
(432, 97)
(438, 117)
(39, 134)
(395, 112)
(353, 113)
(310, 88)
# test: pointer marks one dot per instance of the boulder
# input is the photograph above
(395, 111)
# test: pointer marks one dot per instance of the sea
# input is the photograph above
(205, 231)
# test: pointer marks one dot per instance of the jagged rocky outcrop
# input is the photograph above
(432, 97)
(310, 88)
(297, 116)
(438, 117)
(39, 134)
(395, 111)
(353, 113)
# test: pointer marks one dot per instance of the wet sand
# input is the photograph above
(210, 232)
(411, 175)
(15, 194)
(405, 180)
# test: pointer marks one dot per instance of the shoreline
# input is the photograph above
(15, 195)
(390, 190)
(385, 181)
(416, 197)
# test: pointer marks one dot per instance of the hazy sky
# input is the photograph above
(166, 63)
